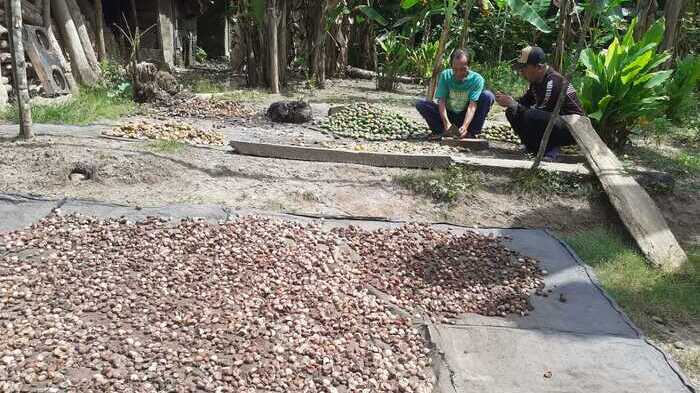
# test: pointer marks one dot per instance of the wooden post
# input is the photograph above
(46, 13)
(13, 15)
(79, 62)
(99, 31)
(272, 47)
(561, 36)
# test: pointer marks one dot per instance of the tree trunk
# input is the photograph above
(672, 13)
(282, 10)
(79, 62)
(30, 13)
(99, 31)
(81, 26)
(13, 15)
(646, 14)
(464, 37)
(437, 65)
(427, 26)
(317, 18)
(272, 47)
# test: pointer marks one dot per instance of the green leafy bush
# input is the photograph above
(420, 60)
(115, 80)
(622, 86)
(200, 55)
(392, 60)
(682, 89)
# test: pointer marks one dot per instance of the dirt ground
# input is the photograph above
(139, 173)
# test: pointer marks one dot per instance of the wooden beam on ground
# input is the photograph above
(637, 210)
(510, 164)
(341, 156)
(468, 143)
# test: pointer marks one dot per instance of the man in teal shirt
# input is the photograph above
(462, 101)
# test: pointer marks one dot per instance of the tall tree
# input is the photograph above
(273, 50)
(99, 31)
(464, 37)
(672, 12)
(646, 15)
(450, 6)
(19, 67)
(316, 28)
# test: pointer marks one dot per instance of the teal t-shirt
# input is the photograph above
(459, 94)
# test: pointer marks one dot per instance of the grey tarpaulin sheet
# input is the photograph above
(586, 343)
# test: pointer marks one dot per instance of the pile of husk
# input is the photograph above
(368, 122)
(174, 131)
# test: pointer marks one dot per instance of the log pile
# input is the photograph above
(57, 17)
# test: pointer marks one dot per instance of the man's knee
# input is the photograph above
(422, 105)
(487, 98)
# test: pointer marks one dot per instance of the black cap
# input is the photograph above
(533, 55)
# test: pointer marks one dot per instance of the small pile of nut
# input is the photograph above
(205, 108)
(369, 122)
(171, 130)
(443, 274)
(500, 131)
(254, 304)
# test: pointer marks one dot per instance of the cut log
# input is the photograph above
(79, 62)
(166, 32)
(58, 50)
(30, 13)
(637, 210)
(359, 73)
(86, 42)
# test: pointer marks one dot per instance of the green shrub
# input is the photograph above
(622, 86)
(682, 89)
(200, 55)
(392, 59)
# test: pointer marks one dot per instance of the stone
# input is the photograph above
(290, 112)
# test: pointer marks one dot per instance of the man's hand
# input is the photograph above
(448, 126)
(505, 100)
(463, 131)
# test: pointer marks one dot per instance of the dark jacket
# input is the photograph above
(544, 95)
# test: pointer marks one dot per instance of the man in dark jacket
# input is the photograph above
(530, 114)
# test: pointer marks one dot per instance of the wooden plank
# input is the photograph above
(467, 143)
(341, 156)
(510, 164)
(637, 210)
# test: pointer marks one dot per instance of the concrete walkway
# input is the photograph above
(576, 339)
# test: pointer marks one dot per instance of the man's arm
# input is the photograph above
(442, 107)
(471, 110)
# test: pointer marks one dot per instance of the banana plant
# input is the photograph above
(622, 85)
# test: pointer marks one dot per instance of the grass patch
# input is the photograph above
(540, 181)
(245, 95)
(444, 185)
(199, 86)
(166, 146)
(683, 163)
(640, 289)
(90, 105)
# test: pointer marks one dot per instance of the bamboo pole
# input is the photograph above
(13, 15)
(85, 41)
(273, 48)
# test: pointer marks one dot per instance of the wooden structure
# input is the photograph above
(637, 210)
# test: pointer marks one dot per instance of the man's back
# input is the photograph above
(544, 95)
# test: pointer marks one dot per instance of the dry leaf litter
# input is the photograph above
(170, 130)
(248, 306)
(204, 108)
